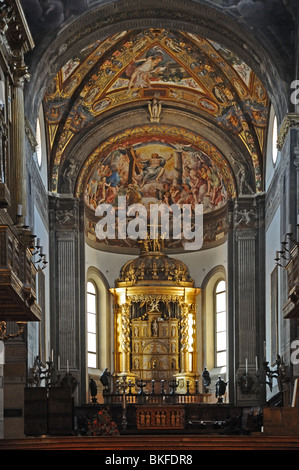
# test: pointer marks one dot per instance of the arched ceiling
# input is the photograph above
(159, 72)
(200, 67)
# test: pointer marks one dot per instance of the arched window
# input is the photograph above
(91, 325)
(39, 143)
(274, 140)
(220, 324)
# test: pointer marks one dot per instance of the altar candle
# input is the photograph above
(256, 364)
(246, 365)
(67, 366)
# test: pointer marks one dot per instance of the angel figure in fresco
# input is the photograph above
(140, 77)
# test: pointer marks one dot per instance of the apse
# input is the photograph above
(156, 116)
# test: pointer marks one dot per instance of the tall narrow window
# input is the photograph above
(274, 140)
(39, 143)
(91, 325)
(220, 323)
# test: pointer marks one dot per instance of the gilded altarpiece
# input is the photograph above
(154, 322)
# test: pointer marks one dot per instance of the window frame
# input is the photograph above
(223, 331)
(90, 352)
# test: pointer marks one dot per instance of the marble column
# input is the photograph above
(246, 297)
(18, 179)
(2, 353)
(67, 286)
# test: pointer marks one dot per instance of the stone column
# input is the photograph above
(2, 389)
(18, 177)
(67, 285)
(246, 298)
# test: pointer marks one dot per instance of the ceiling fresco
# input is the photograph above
(162, 67)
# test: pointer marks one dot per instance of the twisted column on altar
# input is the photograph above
(123, 320)
(184, 347)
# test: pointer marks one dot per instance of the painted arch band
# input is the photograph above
(175, 221)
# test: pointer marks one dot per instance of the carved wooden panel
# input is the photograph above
(155, 417)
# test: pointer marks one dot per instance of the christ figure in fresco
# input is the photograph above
(153, 169)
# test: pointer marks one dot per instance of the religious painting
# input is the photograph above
(154, 173)
(156, 66)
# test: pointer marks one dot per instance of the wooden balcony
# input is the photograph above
(17, 277)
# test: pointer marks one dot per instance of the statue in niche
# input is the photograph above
(154, 306)
(155, 108)
(242, 176)
(154, 328)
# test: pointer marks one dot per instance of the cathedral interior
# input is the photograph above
(109, 109)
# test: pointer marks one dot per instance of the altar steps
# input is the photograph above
(175, 443)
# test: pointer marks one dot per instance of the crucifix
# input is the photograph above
(134, 166)
(123, 387)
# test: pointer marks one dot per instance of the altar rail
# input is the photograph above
(156, 399)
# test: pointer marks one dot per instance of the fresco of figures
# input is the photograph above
(153, 173)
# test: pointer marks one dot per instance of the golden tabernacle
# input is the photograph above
(154, 321)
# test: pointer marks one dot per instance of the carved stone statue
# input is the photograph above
(93, 390)
(220, 389)
(242, 176)
(206, 379)
(105, 380)
(155, 108)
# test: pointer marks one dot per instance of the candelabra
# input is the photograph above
(42, 261)
(140, 384)
(27, 238)
(173, 384)
(245, 383)
(123, 387)
(284, 255)
(50, 375)
(280, 374)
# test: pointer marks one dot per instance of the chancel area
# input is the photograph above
(149, 224)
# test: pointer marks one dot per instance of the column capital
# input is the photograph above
(291, 121)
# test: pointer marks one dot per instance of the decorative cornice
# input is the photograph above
(291, 121)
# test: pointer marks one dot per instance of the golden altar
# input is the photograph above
(154, 321)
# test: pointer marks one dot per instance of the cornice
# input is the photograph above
(291, 121)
